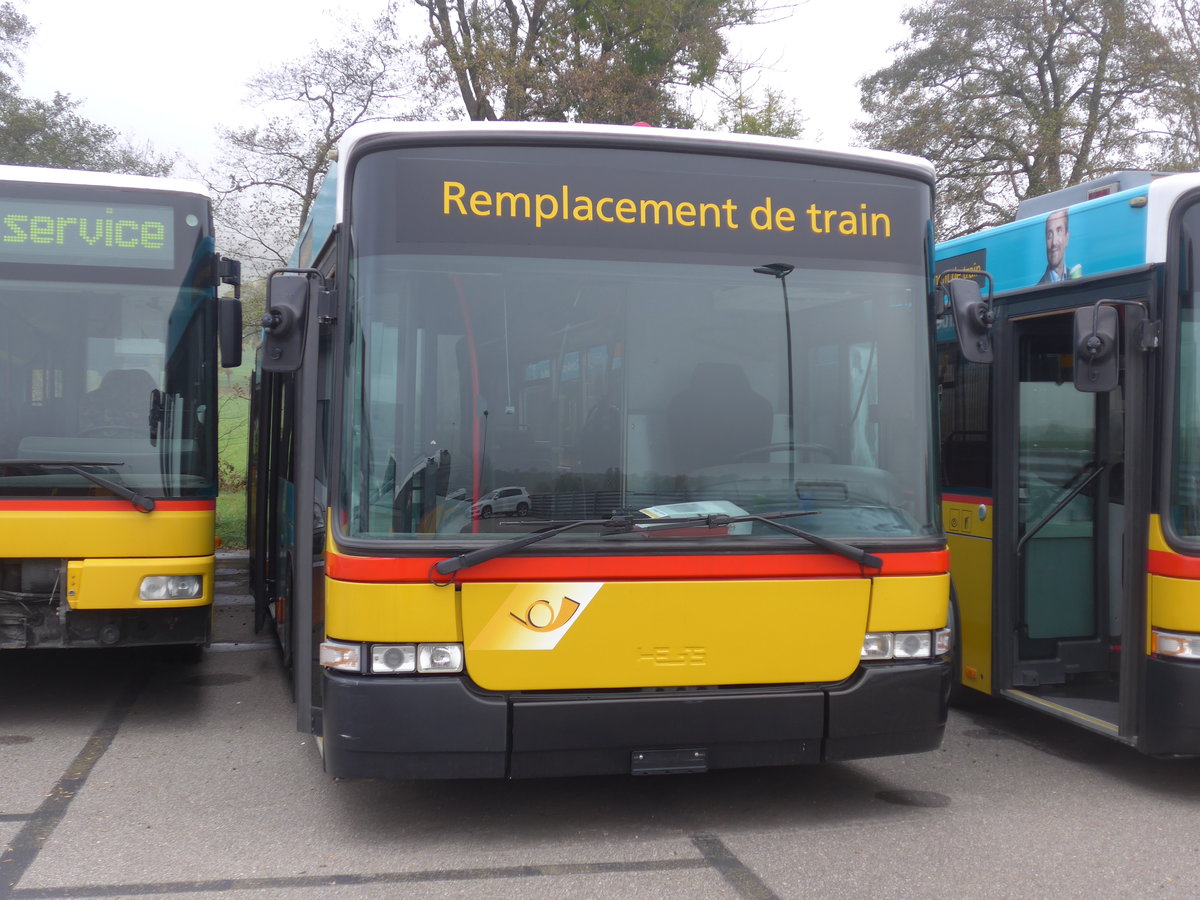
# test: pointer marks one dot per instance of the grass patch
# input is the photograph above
(231, 520)
(233, 414)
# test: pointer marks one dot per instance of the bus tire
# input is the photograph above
(961, 696)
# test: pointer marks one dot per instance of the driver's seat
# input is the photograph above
(121, 401)
(718, 418)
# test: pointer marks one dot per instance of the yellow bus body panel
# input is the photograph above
(79, 534)
(549, 636)
(114, 583)
(917, 603)
(109, 552)
(1174, 602)
(969, 535)
(391, 613)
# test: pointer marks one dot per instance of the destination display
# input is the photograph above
(86, 234)
(580, 201)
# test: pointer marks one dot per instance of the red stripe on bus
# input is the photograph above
(635, 568)
(1162, 562)
(966, 498)
(99, 505)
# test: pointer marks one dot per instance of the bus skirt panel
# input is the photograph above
(1171, 722)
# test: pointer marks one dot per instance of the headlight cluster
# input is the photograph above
(171, 587)
(1176, 645)
(392, 659)
(907, 644)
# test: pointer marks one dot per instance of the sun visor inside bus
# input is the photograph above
(284, 322)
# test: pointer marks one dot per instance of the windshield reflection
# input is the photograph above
(493, 393)
(108, 377)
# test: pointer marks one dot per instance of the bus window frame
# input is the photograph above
(1169, 286)
(345, 255)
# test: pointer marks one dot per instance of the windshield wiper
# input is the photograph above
(717, 520)
(627, 524)
(613, 525)
(139, 501)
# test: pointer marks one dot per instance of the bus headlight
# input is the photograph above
(439, 657)
(340, 656)
(171, 587)
(912, 645)
(393, 659)
(1176, 645)
(878, 645)
(904, 644)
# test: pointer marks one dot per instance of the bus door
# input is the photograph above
(289, 496)
(1062, 610)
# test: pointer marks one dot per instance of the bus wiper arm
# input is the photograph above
(855, 554)
(613, 525)
(139, 501)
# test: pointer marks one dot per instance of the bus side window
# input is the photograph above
(965, 423)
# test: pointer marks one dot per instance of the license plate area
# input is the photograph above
(688, 761)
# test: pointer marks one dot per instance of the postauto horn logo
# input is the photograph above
(542, 616)
(535, 616)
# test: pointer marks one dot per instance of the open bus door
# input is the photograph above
(1071, 482)
(287, 529)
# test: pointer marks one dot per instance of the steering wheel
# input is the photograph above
(824, 450)
(114, 431)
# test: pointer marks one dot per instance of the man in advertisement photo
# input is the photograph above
(1058, 234)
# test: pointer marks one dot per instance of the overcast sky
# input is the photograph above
(169, 73)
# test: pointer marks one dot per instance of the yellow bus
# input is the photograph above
(108, 386)
(600, 449)
(1070, 433)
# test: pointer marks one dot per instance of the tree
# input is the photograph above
(51, 132)
(775, 115)
(580, 60)
(1014, 98)
(15, 32)
(269, 175)
(1177, 103)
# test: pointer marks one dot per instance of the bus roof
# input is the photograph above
(642, 137)
(1118, 231)
(39, 175)
(328, 207)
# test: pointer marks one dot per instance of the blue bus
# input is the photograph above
(1070, 453)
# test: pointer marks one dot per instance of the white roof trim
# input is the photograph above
(36, 175)
(1164, 193)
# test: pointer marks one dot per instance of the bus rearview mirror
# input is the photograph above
(972, 319)
(284, 322)
(229, 331)
(1097, 362)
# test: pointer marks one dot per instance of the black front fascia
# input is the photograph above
(442, 727)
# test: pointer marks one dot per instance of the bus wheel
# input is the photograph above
(961, 696)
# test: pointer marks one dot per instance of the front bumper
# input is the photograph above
(443, 727)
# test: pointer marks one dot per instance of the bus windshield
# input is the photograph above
(485, 389)
(576, 333)
(1185, 474)
(104, 362)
